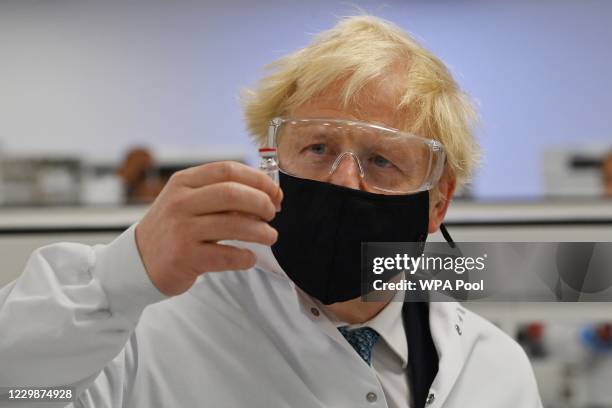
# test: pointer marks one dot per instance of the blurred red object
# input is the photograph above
(604, 332)
(606, 175)
(139, 174)
(535, 331)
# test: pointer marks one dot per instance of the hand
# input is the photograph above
(177, 238)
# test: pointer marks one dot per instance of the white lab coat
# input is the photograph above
(90, 318)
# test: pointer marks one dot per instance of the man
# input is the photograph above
(143, 322)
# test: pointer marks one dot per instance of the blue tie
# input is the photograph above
(362, 340)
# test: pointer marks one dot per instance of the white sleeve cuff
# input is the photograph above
(123, 276)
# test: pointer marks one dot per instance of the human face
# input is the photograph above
(371, 105)
(375, 103)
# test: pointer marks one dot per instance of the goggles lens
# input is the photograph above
(389, 160)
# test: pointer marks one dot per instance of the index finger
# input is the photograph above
(219, 172)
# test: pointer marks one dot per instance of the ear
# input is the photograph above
(440, 199)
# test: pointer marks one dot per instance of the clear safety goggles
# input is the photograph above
(388, 160)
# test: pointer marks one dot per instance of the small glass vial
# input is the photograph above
(268, 163)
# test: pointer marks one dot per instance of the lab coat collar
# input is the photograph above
(265, 258)
(448, 324)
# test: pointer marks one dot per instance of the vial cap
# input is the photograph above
(267, 151)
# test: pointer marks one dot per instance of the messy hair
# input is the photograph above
(359, 50)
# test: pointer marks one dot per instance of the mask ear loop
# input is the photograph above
(443, 229)
(447, 236)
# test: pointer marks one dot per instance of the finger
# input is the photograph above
(279, 199)
(234, 226)
(219, 172)
(219, 257)
(229, 196)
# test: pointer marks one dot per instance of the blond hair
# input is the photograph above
(358, 50)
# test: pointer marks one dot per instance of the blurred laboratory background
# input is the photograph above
(100, 102)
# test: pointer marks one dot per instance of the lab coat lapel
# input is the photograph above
(453, 344)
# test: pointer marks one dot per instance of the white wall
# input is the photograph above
(95, 77)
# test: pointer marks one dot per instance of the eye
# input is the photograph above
(318, 148)
(380, 161)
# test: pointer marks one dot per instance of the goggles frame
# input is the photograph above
(434, 170)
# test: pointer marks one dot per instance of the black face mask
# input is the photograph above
(321, 227)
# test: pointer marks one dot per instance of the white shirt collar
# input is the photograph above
(388, 323)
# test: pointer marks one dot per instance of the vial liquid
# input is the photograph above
(268, 163)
